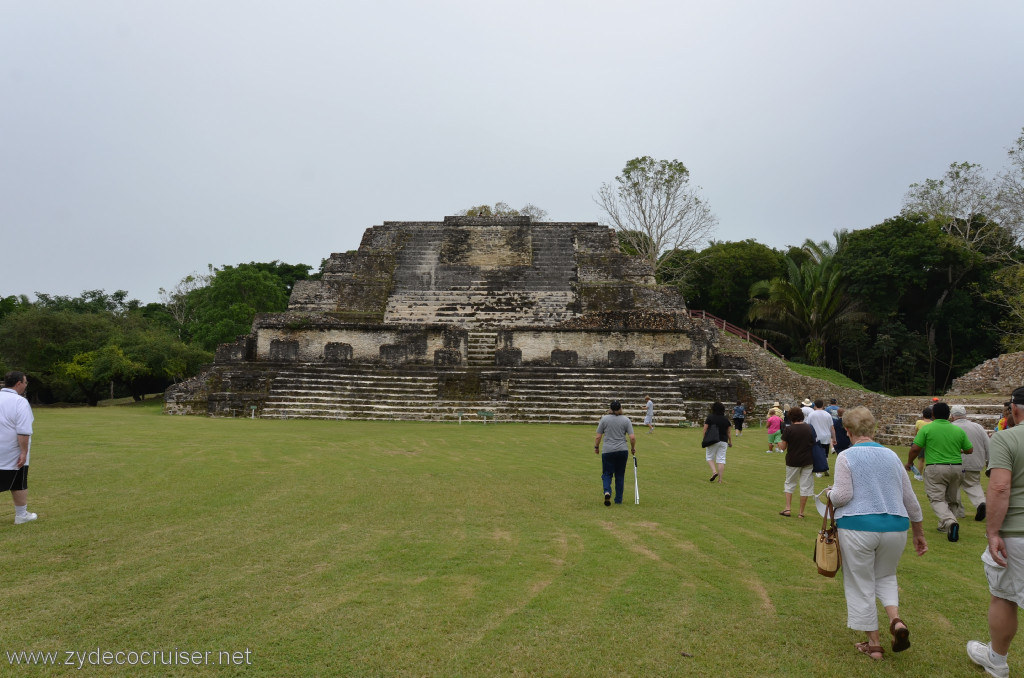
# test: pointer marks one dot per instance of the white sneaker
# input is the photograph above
(767, 451)
(980, 655)
(27, 518)
(818, 475)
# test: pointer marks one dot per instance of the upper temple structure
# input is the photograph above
(502, 317)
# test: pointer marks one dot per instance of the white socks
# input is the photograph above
(21, 511)
(996, 659)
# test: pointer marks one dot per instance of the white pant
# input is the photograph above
(869, 572)
(716, 452)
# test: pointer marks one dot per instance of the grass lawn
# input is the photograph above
(415, 549)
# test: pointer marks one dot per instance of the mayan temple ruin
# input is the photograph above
(530, 321)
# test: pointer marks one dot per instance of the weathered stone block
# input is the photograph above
(621, 358)
(561, 358)
(456, 339)
(447, 357)
(732, 362)
(394, 354)
(678, 359)
(508, 357)
(337, 352)
(284, 350)
(241, 350)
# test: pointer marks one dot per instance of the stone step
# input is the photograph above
(538, 394)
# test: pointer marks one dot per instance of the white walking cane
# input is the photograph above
(636, 483)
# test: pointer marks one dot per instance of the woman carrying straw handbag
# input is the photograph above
(873, 522)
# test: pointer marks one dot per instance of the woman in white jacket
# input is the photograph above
(875, 505)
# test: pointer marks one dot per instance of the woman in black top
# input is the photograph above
(798, 442)
(715, 454)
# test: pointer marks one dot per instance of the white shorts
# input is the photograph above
(1007, 582)
(716, 452)
(648, 420)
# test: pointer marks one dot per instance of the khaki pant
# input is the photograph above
(970, 483)
(942, 486)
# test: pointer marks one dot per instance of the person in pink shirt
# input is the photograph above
(774, 422)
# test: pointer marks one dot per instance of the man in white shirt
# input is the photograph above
(806, 408)
(15, 440)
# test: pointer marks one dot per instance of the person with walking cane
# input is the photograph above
(614, 428)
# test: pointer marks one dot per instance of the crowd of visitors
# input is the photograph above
(874, 501)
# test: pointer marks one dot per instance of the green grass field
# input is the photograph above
(414, 549)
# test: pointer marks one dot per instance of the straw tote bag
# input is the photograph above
(826, 544)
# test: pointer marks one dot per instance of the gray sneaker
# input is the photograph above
(980, 655)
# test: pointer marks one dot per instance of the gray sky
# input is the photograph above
(142, 140)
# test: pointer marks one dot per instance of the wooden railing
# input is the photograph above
(736, 330)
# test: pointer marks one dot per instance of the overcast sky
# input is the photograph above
(142, 140)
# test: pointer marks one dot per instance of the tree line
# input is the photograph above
(97, 345)
(903, 307)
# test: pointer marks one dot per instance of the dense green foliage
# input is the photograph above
(728, 296)
(81, 349)
(903, 307)
(78, 349)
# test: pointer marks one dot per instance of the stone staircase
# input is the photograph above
(901, 430)
(532, 285)
(532, 394)
(480, 348)
(475, 304)
(314, 391)
(581, 395)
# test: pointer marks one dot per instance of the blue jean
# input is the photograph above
(614, 463)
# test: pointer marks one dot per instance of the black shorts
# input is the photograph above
(738, 423)
(13, 480)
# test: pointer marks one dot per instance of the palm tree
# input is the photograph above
(810, 304)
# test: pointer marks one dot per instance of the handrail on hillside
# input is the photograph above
(736, 330)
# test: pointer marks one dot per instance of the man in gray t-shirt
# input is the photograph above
(614, 428)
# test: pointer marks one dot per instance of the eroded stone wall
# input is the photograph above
(998, 376)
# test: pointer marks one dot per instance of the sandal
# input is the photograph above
(900, 637)
(785, 513)
(871, 650)
(713, 477)
(800, 515)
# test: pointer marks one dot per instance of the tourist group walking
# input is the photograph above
(873, 499)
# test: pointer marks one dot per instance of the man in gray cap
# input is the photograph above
(974, 463)
(614, 427)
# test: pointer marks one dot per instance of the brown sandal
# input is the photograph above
(900, 637)
(871, 650)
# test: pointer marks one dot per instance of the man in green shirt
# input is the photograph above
(942, 444)
(1004, 558)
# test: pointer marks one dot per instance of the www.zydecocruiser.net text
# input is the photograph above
(98, 657)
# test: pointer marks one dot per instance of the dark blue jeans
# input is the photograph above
(614, 463)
